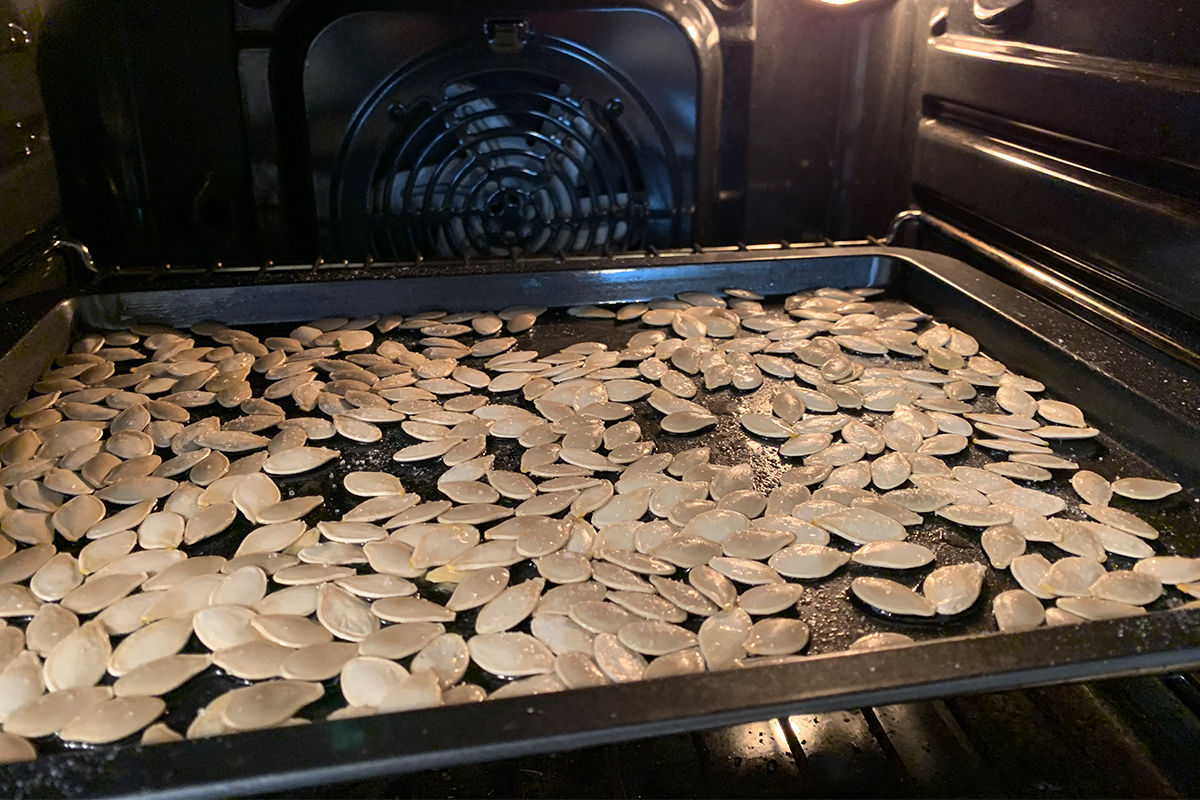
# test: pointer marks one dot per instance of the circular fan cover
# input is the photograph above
(473, 153)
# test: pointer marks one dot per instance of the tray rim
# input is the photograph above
(404, 742)
(359, 748)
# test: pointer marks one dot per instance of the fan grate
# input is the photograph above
(505, 164)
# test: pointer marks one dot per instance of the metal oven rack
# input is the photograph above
(1135, 737)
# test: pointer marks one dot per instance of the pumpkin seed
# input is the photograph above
(1134, 588)
(1002, 544)
(1096, 608)
(1060, 413)
(686, 597)
(893, 555)
(20, 683)
(372, 484)
(317, 662)
(975, 516)
(722, 637)
(401, 640)
(79, 659)
(298, 460)
(861, 525)
(157, 677)
(446, 656)
(648, 606)
(745, 571)
(1029, 571)
(410, 609)
(1017, 610)
(769, 598)
(776, 636)
(1121, 520)
(159, 733)
(1170, 569)
(1144, 488)
(110, 720)
(876, 641)
(56, 578)
(618, 662)
(419, 690)
(289, 510)
(344, 615)
(510, 654)
(684, 422)
(51, 712)
(300, 601)
(562, 635)
(1091, 488)
(46, 629)
(24, 563)
(955, 588)
(208, 522)
(579, 670)
(266, 704)
(100, 591)
(892, 597)
(225, 626)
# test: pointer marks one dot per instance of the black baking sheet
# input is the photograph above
(1077, 363)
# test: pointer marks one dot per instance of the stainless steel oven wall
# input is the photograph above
(831, 120)
(145, 120)
(29, 198)
(1068, 132)
(32, 280)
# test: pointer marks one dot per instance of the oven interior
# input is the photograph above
(1053, 145)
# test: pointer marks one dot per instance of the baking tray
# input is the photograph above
(1148, 402)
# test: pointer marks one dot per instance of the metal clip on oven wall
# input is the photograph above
(76, 252)
(15, 39)
(506, 35)
(1000, 15)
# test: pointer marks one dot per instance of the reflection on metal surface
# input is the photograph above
(22, 364)
(1098, 221)
(858, 4)
(1001, 12)
(1141, 73)
(17, 38)
(1046, 280)
(901, 219)
(840, 748)
(753, 760)
(1029, 164)
(78, 250)
(939, 21)
(411, 290)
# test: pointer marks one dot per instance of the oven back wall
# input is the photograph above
(482, 133)
(186, 133)
(145, 118)
(832, 120)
